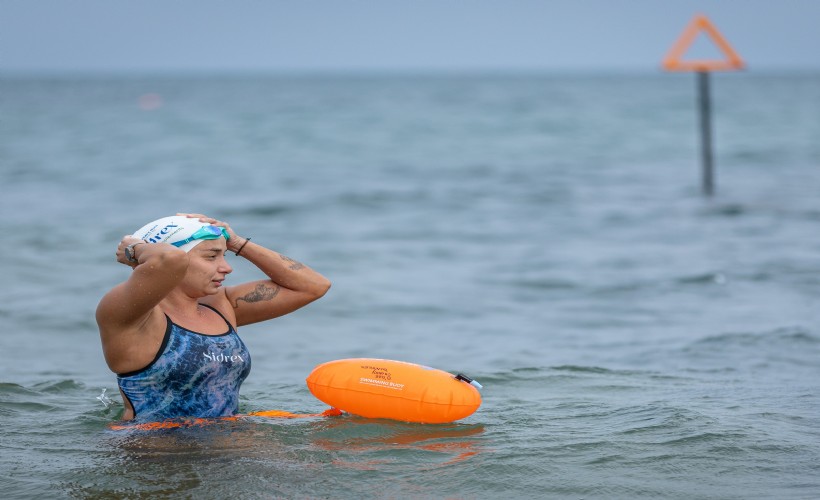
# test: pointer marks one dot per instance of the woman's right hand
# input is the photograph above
(127, 240)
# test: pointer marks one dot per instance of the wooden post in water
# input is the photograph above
(704, 105)
(673, 62)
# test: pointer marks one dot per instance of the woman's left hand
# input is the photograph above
(235, 241)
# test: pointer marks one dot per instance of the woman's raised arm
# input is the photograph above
(158, 268)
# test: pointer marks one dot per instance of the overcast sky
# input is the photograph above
(409, 35)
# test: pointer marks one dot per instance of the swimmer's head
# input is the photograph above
(180, 231)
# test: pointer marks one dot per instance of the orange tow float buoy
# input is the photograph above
(381, 388)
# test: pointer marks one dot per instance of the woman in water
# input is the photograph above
(169, 330)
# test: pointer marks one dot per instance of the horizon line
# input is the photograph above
(376, 72)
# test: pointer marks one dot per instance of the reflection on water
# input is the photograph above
(365, 445)
(281, 458)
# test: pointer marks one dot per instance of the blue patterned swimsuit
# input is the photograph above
(193, 375)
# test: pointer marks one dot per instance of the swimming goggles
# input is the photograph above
(204, 233)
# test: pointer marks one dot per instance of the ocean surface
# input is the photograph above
(544, 234)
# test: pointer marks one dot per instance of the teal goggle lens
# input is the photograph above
(204, 233)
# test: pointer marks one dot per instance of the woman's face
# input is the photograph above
(207, 268)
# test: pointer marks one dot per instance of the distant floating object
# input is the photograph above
(149, 102)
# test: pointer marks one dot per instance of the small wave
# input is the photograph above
(726, 210)
(536, 374)
(58, 386)
(737, 210)
(67, 399)
(812, 215)
(794, 348)
(9, 388)
(380, 198)
(703, 437)
(259, 211)
(780, 336)
(267, 210)
(516, 375)
(704, 278)
(595, 370)
(41, 390)
(544, 284)
(12, 407)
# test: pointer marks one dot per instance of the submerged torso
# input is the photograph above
(193, 375)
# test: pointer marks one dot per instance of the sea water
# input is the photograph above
(543, 234)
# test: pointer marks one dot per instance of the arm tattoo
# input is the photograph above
(294, 265)
(260, 293)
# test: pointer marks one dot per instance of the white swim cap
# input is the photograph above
(180, 231)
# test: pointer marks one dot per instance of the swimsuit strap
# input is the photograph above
(230, 326)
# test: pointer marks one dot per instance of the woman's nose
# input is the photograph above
(224, 267)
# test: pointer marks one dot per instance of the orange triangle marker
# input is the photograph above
(673, 62)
